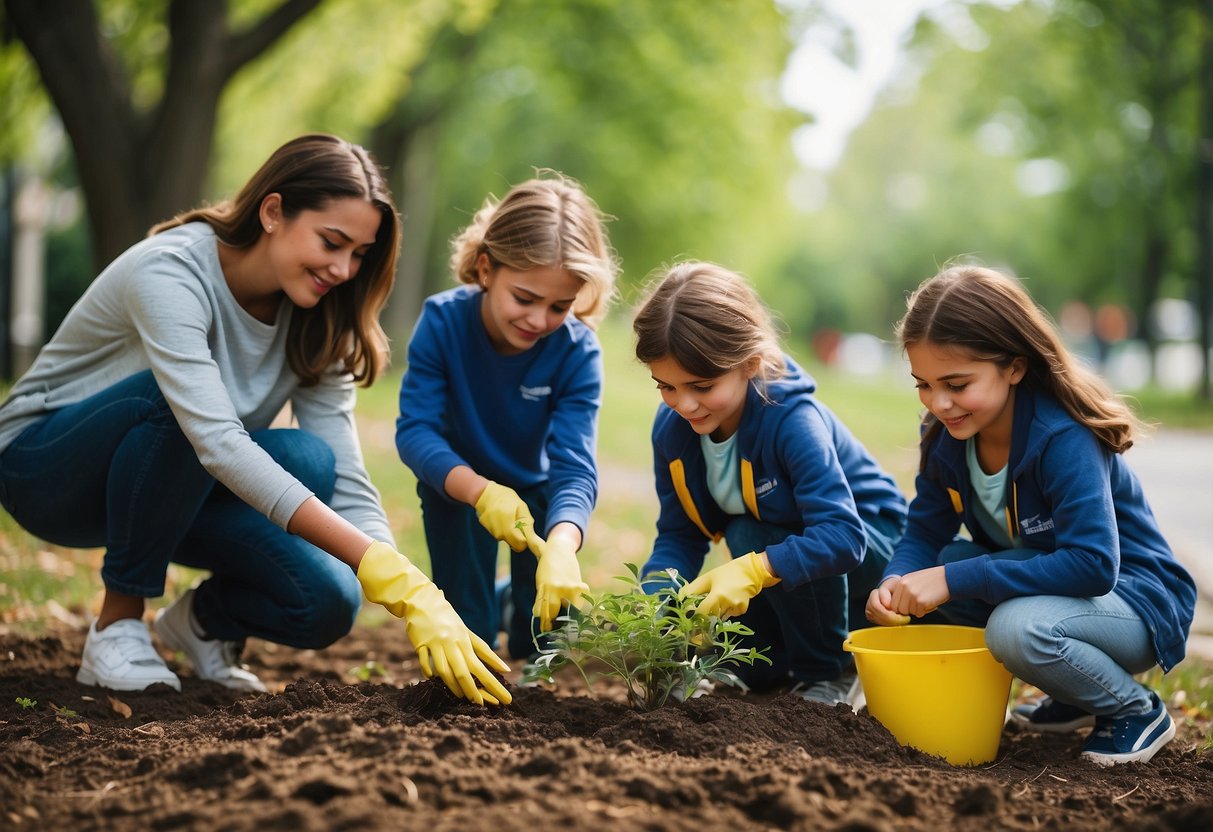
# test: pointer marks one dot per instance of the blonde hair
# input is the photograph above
(309, 172)
(990, 316)
(708, 319)
(543, 222)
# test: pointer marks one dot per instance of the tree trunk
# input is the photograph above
(138, 168)
(1204, 207)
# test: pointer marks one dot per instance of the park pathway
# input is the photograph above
(1176, 470)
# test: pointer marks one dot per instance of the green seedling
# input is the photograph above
(26, 703)
(654, 643)
(63, 710)
(520, 524)
(365, 671)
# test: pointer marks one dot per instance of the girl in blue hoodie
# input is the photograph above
(1064, 565)
(744, 452)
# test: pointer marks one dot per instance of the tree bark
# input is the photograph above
(137, 168)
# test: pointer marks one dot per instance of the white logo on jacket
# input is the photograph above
(765, 485)
(1034, 525)
(534, 394)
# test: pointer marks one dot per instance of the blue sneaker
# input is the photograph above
(1051, 717)
(1130, 739)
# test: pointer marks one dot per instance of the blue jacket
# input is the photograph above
(1069, 498)
(520, 420)
(800, 468)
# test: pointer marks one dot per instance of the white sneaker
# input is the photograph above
(213, 660)
(121, 657)
(846, 689)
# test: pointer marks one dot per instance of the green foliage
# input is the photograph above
(653, 643)
(368, 670)
(63, 710)
(26, 703)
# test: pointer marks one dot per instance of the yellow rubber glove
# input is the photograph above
(443, 642)
(499, 510)
(557, 577)
(730, 587)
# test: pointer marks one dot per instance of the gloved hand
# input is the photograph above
(499, 509)
(443, 642)
(730, 587)
(557, 577)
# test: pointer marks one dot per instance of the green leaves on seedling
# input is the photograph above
(63, 710)
(520, 524)
(654, 643)
(26, 703)
(366, 670)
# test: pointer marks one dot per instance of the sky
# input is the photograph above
(838, 96)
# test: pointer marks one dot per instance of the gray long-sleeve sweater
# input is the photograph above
(164, 305)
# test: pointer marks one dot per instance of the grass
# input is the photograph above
(40, 583)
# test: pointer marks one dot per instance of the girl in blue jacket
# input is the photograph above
(742, 450)
(1064, 565)
(499, 405)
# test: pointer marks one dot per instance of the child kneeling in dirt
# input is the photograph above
(499, 406)
(744, 450)
(1066, 569)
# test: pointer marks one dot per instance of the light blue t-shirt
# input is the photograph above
(991, 493)
(723, 473)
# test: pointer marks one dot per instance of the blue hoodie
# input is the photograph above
(520, 420)
(800, 468)
(1071, 499)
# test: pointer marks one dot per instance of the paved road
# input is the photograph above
(1176, 470)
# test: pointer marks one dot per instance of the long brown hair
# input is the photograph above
(308, 172)
(708, 319)
(993, 318)
(543, 222)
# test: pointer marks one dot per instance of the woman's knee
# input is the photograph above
(333, 610)
(306, 456)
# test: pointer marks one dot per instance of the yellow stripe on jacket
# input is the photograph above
(679, 476)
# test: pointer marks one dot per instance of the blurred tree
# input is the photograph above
(141, 134)
(1054, 138)
(668, 113)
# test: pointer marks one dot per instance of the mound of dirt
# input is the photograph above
(328, 751)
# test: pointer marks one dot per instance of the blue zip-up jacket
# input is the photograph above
(800, 468)
(520, 420)
(1071, 499)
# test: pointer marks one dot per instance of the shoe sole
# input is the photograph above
(1142, 755)
(1087, 721)
(87, 677)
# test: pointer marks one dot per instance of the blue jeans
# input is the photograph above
(115, 470)
(1081, 651)
(463, 563)
(803, 628)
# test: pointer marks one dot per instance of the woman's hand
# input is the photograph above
(444, 644)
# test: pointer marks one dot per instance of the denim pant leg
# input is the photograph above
(971, 612)
(463, 562)
(883, 533)
(265, 581)
(113, 470)
(1082, 651)
(812, 617)
(523, 637)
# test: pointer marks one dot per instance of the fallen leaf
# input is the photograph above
(120, 708)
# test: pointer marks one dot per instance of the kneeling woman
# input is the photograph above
(144, 427)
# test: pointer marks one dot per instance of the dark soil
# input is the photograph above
(327, 751)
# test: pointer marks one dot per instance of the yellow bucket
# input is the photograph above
(935, 687)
